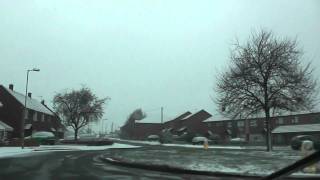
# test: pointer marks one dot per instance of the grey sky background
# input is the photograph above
(144, 54)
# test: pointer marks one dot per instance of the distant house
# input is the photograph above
(38, 116)
(176, 123)
(142, 130)
(253, 129)
(194, 123)
(184, 123)
(139, 130)
(5, 131)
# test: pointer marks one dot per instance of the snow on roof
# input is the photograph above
(297, 128)
(221, 118)
(31, 103)
(177, 117)
(187, 116)
(4, 126)
(211, 119)
(148, 120)
(182, 129)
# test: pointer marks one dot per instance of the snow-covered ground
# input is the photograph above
(201, 146)
(243, 161)
(17, 151)
(136, 141)
(179, 145)
(14, 151)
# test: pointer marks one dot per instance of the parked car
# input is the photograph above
(153, 138)
(296, 141)
(199, 140)
(43, 137)
(238, 141)
(215, 139)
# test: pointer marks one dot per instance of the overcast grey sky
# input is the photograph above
(144, 54)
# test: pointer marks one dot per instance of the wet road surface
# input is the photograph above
(80, 165)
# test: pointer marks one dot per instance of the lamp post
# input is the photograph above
(25, 106)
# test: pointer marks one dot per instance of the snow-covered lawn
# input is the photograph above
(178, 145)
(82, 147)
(14, 151)
(243, 161)
(201, 146)
(136, 141)
(17, 151)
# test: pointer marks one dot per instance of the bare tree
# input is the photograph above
(78, 107)
(127, 130)
(265, 75)
(137, 114)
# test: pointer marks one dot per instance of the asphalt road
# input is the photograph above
(80, 165)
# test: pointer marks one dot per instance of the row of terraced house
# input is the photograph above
(38, 116)
(252, 130)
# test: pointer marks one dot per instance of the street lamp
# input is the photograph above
(25, 105)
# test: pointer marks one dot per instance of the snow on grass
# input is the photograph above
(243, 161)
(14, 151)
(178, 145)
(137, 142)
(82, 147)
(18, 152)
(201, 146)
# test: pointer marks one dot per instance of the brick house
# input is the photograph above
(176, 123)
(38, 116)
(5, 131)
(139, 130)
(186, 122)
(194, 123)
(253, 129)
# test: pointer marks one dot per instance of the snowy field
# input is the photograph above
(18, 152)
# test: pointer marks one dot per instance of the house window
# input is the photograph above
(48, 118)
(229, 124)
(26, 114)
(35, 116)
(295, 120)
(218, 124)
(240, 124)
(280, 121)
(42, 117)
(209, 125)
(253, 123)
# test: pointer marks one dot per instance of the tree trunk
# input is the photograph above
(76, 134)
(268, 133)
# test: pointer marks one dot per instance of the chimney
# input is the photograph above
(11, 87)
(29, 94)
(42, 102)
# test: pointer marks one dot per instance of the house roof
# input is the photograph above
(179, 117)
(297, 128)
(182, 129)
(187, 117)
(31, 103)
(4, 126)
(211, 119)
(218, 118)
(138, 122)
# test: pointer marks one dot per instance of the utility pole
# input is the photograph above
(112, 127)
(161, 115)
